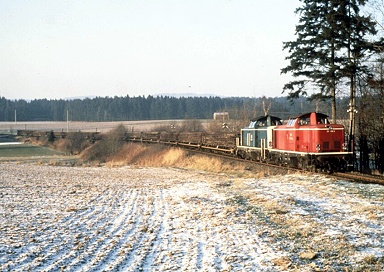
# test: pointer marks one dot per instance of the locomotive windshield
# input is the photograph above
(323, 120)
(291, 122)
(257, 123)
(264, 121)
(308, 119)
(252, 124)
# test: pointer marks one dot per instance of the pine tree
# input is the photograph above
(327, 33)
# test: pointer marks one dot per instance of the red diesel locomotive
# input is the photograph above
(307, 141)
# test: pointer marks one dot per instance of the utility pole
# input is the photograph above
(352, 100)
(352, 112)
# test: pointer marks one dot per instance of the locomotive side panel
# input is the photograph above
(249, 137)
(320, 138)
(330, 139)
(284, 138)
(302, 139)
(254, 137)
(306, 141)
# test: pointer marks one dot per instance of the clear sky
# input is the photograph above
(60, 49)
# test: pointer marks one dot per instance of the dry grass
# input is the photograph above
(161, 156)
(61, 144)
(283, 262)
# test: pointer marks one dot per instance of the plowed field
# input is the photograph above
(160, 219)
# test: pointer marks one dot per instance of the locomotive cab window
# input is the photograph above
(276, 122)
(322, 120)
(291, 122)
(252, 124)
(304, 122)
(265, 121)
(261, 123)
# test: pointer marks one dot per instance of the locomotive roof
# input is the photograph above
(305, 115)
(262, 118)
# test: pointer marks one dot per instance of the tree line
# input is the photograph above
(128, 108)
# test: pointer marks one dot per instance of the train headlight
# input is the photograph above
(318, 147)
(345, 146)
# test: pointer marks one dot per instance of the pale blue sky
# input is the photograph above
(58, 49)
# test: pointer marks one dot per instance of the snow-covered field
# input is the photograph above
(154, 219)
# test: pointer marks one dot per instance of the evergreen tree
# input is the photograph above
(327, 33)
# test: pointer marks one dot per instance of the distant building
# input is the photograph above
(221, 116)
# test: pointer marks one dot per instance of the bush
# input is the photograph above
(106, 148)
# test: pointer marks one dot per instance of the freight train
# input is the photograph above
(308, 141)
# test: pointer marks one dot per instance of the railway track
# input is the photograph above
(278, 169)
(358, 177)
(227, 154)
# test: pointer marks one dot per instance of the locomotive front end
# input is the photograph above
(310, 141)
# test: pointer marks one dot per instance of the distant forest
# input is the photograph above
(158, 108)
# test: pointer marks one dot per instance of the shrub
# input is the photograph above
(106, 148)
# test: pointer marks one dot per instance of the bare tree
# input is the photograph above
(266, 107)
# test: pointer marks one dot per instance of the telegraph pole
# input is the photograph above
(352, 100)
(352, 112)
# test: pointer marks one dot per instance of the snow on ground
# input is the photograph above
(160, 219)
